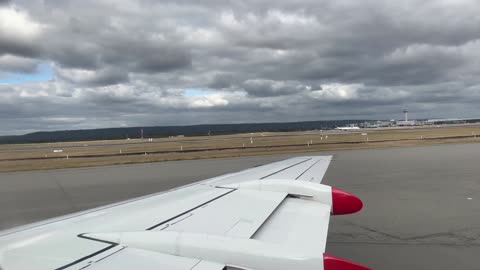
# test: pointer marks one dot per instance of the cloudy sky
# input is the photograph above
(112, 63)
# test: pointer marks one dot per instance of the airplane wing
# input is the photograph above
(273, 216)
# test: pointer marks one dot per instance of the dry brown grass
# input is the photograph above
(263, 143)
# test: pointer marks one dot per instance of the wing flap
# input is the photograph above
(206, 265)
(230, 216)
(297, 223)
(132, 258)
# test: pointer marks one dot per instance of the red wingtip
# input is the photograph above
(335, 263)
(344, 202)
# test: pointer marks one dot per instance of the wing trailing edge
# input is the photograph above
(229, 251)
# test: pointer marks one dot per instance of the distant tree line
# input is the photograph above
(166, 131)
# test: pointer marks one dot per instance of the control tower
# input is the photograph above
(405, 113)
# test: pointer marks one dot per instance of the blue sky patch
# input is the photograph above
(196, 92)
(43, 72)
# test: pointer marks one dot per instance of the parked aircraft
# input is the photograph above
(347, 128)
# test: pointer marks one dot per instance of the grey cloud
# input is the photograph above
(259, 60)
(4, 2)
(122, 103)
(75, 56)
(18, 33)
(11, 63)
(93, 78)
(265, 88)
(164, 61)
(222, 80)
(108, 78)
(18, 47)
(132, 56)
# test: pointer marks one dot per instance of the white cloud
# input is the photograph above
(18, 25)
(106, 76)
(296, 19)
(196, 36)
(207, 101)
(336, 92)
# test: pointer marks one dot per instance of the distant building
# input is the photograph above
(405, 115)
(406, 123)
(377, 124)
(385, 123)
(371, 124)
(451, 121)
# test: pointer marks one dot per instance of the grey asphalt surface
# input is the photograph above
(421, 204)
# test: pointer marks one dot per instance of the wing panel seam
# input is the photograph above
(186, 212)
(266, 219)
(293, 165)
(307, 169)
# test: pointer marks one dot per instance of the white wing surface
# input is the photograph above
(311, 168)
(273, 216)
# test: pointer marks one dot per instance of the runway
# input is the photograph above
(422, 204)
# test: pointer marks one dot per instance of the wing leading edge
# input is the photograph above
(273, 216)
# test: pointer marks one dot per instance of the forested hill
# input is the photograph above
(165, 131)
